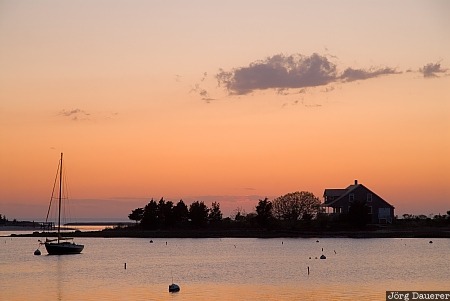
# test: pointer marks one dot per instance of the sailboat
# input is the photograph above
(60, 245)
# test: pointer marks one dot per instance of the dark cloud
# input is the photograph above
(279, 72)
(431, 70)
(75, 114)
(282, 72)
(351, 74)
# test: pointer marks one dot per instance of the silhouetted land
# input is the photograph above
(280, 218)
(392, 231)
(251, 227)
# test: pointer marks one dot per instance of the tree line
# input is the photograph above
(287, 211)
(166, 214)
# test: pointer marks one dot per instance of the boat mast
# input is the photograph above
(60, 193)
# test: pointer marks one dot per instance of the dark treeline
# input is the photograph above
(166, 215)
(6, 222)
(289, 210)
(422, 220)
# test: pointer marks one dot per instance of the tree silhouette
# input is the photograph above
(150, 216)
(296, 205)
(198, 212)
(166, 210)
(136, 214)
(239, 214)
(264, 212)
(180, 212)
(215, 215)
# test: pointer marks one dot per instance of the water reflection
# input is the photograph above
(59, 278)
(224, 269)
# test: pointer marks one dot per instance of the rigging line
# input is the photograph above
(53, 192)
(66, 196)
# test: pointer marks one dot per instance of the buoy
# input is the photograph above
(323, 257)
(431, 241)
(37, 252)
(308, 270)
(151, 241)
(173, 288)
(317, 240)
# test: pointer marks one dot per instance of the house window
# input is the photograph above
(370, 209)
(369, 197)
(351, 197)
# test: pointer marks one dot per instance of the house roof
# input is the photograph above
(346, 191)
(334, 192)
(342, 193)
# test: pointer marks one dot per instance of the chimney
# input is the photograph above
(356, 182)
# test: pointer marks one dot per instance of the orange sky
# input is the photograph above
(128, 91)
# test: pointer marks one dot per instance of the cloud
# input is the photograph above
(198, 89)
(351, 74)
(82, 115)
(75, 114)
(296, 71)
(292, 74)
(279, 72)
(430, 70)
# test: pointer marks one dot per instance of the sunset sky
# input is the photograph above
(227, 101)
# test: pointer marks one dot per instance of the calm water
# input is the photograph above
(224, 269)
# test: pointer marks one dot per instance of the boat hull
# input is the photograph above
(63, 248)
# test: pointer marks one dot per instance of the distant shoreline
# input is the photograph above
(19, 228)
(251, 233)
(36, 226)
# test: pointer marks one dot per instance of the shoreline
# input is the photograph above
(247, 233)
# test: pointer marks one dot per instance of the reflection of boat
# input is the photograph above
(60, 245)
